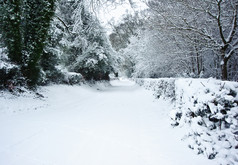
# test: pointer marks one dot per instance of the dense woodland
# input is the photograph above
(181, 38)
(49, 41)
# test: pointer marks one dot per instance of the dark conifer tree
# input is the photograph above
(10, 29)
(38, 14)
(11, 39)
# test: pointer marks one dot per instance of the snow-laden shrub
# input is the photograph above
(82, 46)
(94, 65)
(208, 110)
(164, 87)
(73, 78)
(10, 75)
(51, 76)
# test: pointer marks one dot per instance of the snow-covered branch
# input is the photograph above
(234, 26)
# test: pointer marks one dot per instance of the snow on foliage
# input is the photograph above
(72, 77)
(207, 109)
(4, 60)
(9, 72)
(5, 64)
(163, 88)
(82, 44)
(90, 63)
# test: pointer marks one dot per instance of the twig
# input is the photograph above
(222, 86)
(67, 28)
(202, 84)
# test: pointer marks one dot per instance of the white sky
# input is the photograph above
(114, 14)
(107, 13)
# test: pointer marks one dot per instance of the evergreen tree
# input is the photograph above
(24, 26)
(10, 43)
(38, 14)
(49, 61)
(83, 45)
(95, 62)
(72, 42)
(10, 28)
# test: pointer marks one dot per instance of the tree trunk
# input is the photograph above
(198, 64)
(224, 70)
(192, 62)
(224, 61)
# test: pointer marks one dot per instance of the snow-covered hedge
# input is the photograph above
(208, 110)
(164, 87)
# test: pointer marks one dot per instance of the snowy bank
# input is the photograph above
(21, 102)
(207, 109)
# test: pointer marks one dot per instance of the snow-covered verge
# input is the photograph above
(163, 87)
(207, 109)
(16, 102)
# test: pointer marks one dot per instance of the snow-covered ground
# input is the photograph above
(117, 124)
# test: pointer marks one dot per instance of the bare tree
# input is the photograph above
(213, 22)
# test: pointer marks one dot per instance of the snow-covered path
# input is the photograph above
(120, 124)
